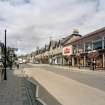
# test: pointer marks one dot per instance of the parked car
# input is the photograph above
(35, 62)
(20, 61)
(24, 61)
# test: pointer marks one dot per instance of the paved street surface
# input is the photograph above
(70, 87)
(91, 78)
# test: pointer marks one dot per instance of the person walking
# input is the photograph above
(69, 62)
(10, 65)
(94, 64)
(17, 64)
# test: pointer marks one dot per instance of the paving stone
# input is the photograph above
(16, 90)
(10, 90)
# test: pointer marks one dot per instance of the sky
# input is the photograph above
(31, 23)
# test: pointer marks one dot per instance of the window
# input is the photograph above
(97, 45)
(88, 46)
(74, 49)
(80, 48)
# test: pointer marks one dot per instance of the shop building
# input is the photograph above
(89, 48)
(55, 52)
(68, 49)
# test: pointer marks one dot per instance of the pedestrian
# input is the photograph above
(17, 65)
(94, 64)
(79, 65)
(11, 65)
(69, 62)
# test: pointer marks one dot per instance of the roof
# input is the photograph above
(47, 47)
(91, 34)
(69, 37)
(53, 43)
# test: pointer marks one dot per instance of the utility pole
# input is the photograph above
(5, 71)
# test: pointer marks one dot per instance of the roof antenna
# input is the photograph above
(75, 31)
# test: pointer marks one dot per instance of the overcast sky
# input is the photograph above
(31, 23)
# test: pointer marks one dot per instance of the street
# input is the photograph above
(79, 88)
(94, 80)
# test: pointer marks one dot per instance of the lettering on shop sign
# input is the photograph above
(67, 50)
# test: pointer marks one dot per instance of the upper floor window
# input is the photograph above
(97, 45)
(88, 46)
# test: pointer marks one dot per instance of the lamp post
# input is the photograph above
(5, 51)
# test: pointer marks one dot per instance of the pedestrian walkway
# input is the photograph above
(10, 90)
(14, 90)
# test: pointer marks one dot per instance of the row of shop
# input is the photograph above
(88, 49)
(75, 50)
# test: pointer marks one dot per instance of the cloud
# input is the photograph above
(16, 2)
(30, 23)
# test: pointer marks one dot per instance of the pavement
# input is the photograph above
(10, 90)
(15, 90)
(67, 91)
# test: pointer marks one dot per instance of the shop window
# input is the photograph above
(88, 46)
(80, 48)
(74, 49)
(97, 45)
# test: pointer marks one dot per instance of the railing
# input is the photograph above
(31, 93)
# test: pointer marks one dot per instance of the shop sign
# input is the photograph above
(67, 50)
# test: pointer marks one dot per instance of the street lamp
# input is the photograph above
(5, 51)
